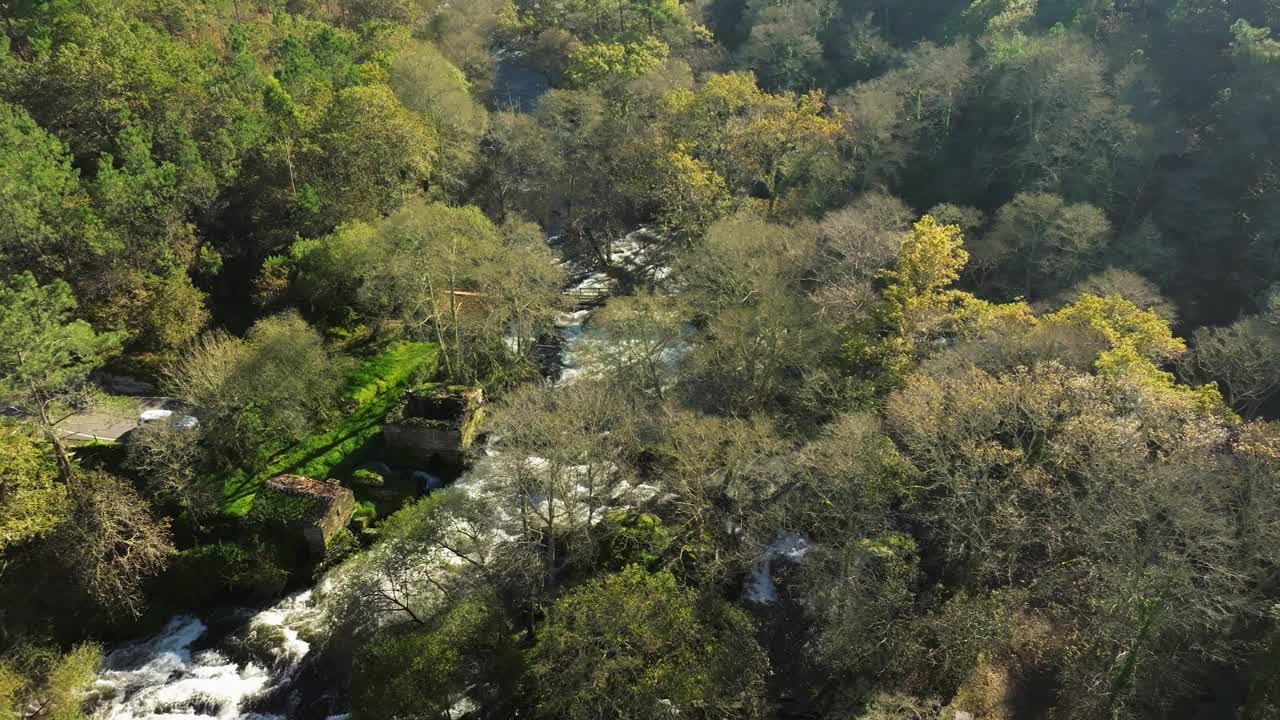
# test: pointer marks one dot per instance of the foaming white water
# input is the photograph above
(291, 616)
(164, 677)
(583, 345)
(788, 546)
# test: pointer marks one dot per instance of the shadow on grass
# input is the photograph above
(306, 457)
(378, 384)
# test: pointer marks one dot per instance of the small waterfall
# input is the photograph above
(788, 546)
(182, 673)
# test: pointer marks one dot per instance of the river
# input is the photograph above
(245, 664)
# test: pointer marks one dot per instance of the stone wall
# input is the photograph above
(436, 422)
(423, 441)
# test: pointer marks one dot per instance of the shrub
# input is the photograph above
(423, 671)
(201, 575)
(363, 516)
(209, 575)
(340, 546)
(636, 539)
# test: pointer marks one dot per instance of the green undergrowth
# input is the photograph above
(375, 387)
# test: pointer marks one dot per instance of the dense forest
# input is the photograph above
(823, 359)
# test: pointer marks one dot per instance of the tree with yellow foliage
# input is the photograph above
(916, 299)
(757, 141)
(609, 64)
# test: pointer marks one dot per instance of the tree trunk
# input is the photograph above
(550, 540)
(50, 432)
(436, 325)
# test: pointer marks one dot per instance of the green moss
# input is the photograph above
(368, 478)
(375, 387)
(280, 511)
(469, 427)
(395, 414)
(432, 423)
(889, 544)
(365, 509)
(393, 369)
(217, 574)
(472, 427)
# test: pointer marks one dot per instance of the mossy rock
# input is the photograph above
(368, 478)
(365, 510)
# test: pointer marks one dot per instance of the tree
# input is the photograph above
(45, 356)
(449, 275)
(45, 684)
(610, 65)
(426, 256)
(918, 288)
(866, 235)
(49, 226)
(577, 172)
(407, 12)
(465, 34)
(371, 154)
(1244, 357)
(522, 284)
(863, 593)
(1058, 124)
(102, 69)
(156, 313)
(291, 124)
(639, 645)
(174, 467)
(112, 544)
(613, 19)
(690, 195)
(565, 458)
(326, 274)
(421, 674)
(517, 156)
(252, 395)
(1038, 244)
(1135, 342)
(1128, 285)
(32, 502)
(906, 115)
(760, 143)
(855, 243)
(1148, 516)
(759, 333)
(783, 47)
(919, 311)
(846, 482)
(725, 474)
(641, 339)
(430, 555)
(427, 83)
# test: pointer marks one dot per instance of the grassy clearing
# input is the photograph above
(375, 387)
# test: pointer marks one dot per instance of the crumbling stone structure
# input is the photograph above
(313, 509)
(435, 422)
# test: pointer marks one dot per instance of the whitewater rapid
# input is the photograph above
(178, 673)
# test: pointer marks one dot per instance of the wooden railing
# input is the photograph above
(588, 297)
